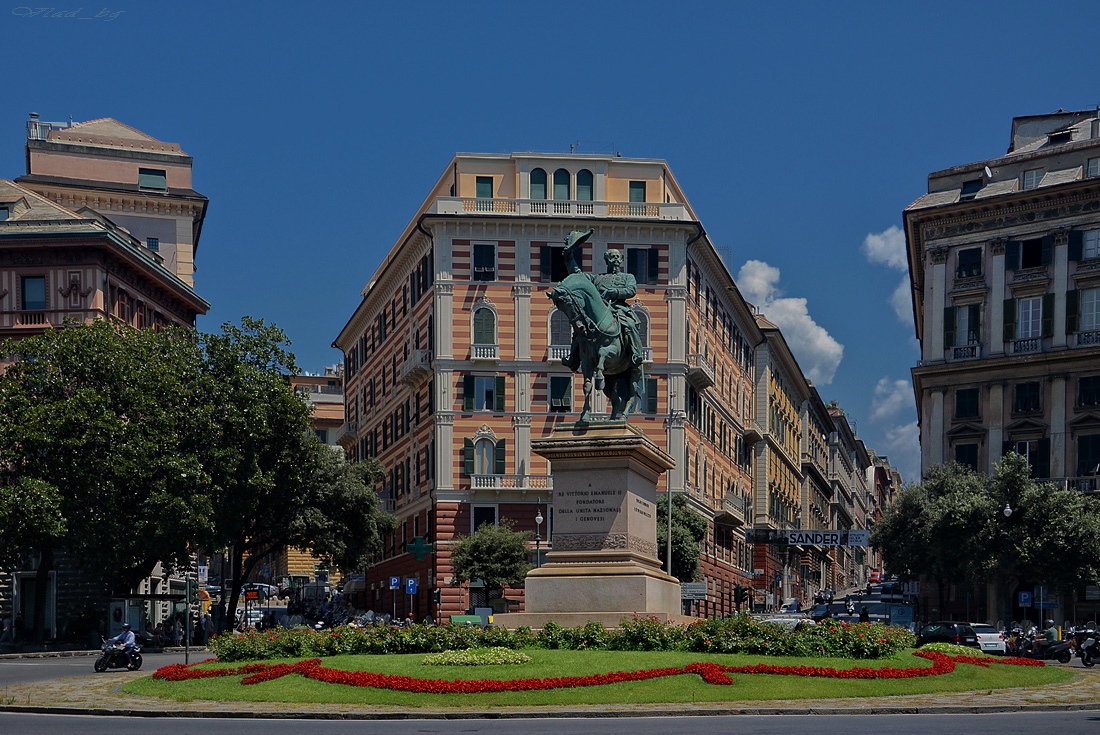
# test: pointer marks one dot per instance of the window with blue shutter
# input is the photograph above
(584, 185)
(538, 184)
(561, 185)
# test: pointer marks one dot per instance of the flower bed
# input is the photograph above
(477, 657)
(739, 634)
(710, 673)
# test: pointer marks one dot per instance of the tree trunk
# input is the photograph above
(41, 580)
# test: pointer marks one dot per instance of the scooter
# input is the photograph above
(114, 657)
(1088, 644)
(1035, 647)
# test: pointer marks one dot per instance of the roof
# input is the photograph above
(106, 132)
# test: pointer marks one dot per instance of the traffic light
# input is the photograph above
(437, 597)
(192, 591)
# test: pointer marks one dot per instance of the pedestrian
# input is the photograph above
(864, 616)
(8, 636)
(207, 627)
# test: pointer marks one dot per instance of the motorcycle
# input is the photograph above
(114, 657)
(1088, 644)
(1034, 646)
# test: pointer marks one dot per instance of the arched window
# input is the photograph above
(485, 327)
(538, 184)
(584, 185)
(643, 324)
(561, 333)
(484, 457)
(561, 185)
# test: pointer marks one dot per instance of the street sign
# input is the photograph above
(410, 586)
(693, 590)
(395, 583)
(1025, 599)
(912, 587)
(1047, 605)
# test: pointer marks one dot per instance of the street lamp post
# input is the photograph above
(538, 532)
(1008, 589)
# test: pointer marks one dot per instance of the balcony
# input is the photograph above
(1089, 485)
(512, 482)
(969, 352)
(733, 511)
(32, 319)
(1088, 338)
(556, 208)
(557, 353)
(1024, 346)
(700, 372)
(485, 352)
(417, 368)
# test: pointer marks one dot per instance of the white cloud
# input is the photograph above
(817, 352)
(902, 446)
(902, 301)
(886, 248)
(891, 396)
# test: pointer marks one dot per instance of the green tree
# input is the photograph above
(688, 531)
(497, 555)
(98, 430)
(272, 483)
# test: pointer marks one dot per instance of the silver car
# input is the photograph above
(990, 640)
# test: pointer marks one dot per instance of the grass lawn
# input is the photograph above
(546, 663)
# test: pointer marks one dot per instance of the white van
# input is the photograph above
(791, 604)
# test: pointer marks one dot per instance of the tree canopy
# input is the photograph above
(688, 531)
(497, 555)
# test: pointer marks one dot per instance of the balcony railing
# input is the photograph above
(735, 504)
(700, 371)
(32, 318)
(417, 368)
(557, 352)
(485, 352)
(557, 208)
(512, 482)
(968, 352)
(1088, 485)
(1088, 338)
(1022, 346)
(647, 355)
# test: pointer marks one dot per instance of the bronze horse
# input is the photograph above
(604, 351)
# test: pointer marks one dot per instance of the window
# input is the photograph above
(153, 243)
(970, 189)
(969, 263)
(34, 293)
(1033, 253)
(561, 332)
(966, 403)
(482, 514)
(1027, 397)
(1093, 167)
(962, 325)
(538, 184)
(561, 393)
(485, 261)
(1088, 391)
(485, 327)
(1032, 178)
(642, 264)
(484, 187)
(4, 213)
(1089, 301)
(1035, 451)
(483, 393)
(552, 267)
(151, 178)
(584, 185)
(967, 454)
(1091, 245)
(1088, 455)
(1029, 318)
(643, 325)
(322, 435)
(561, 185)
(637, 196)
(482, 456)
(1029, 322)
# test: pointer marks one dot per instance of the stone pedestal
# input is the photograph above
(604, 564)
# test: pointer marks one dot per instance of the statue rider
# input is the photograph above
(615, 287)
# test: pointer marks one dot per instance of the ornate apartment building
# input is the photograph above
(1004, 258)
(453, 361)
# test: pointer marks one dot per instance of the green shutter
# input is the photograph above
(1047, 317)
(485, 327)
(498, 458)
(1048, 250)
(975, 322)
(637, 191)
(1076, 245)
(1072, 308)
(1042, 461)
(948, 326)
(498, 395)
(484, 187)
(653, 265)
(1010, 320)
(468, 456)
(468, 393)
(546, 267)
(651, 395)
(1012, 255)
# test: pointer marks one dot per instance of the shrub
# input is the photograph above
(476, 657)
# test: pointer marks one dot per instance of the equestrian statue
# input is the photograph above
(606, 346)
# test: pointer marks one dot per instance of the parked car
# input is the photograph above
(990, 639)
(961, 634)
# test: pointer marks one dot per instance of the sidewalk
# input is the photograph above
(101, 694)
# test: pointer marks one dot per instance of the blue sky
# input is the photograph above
(799, 132)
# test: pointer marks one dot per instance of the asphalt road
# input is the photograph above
(23, 670)
(1067, 723)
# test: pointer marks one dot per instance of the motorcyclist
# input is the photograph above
(126, 640)
(1051, 632)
